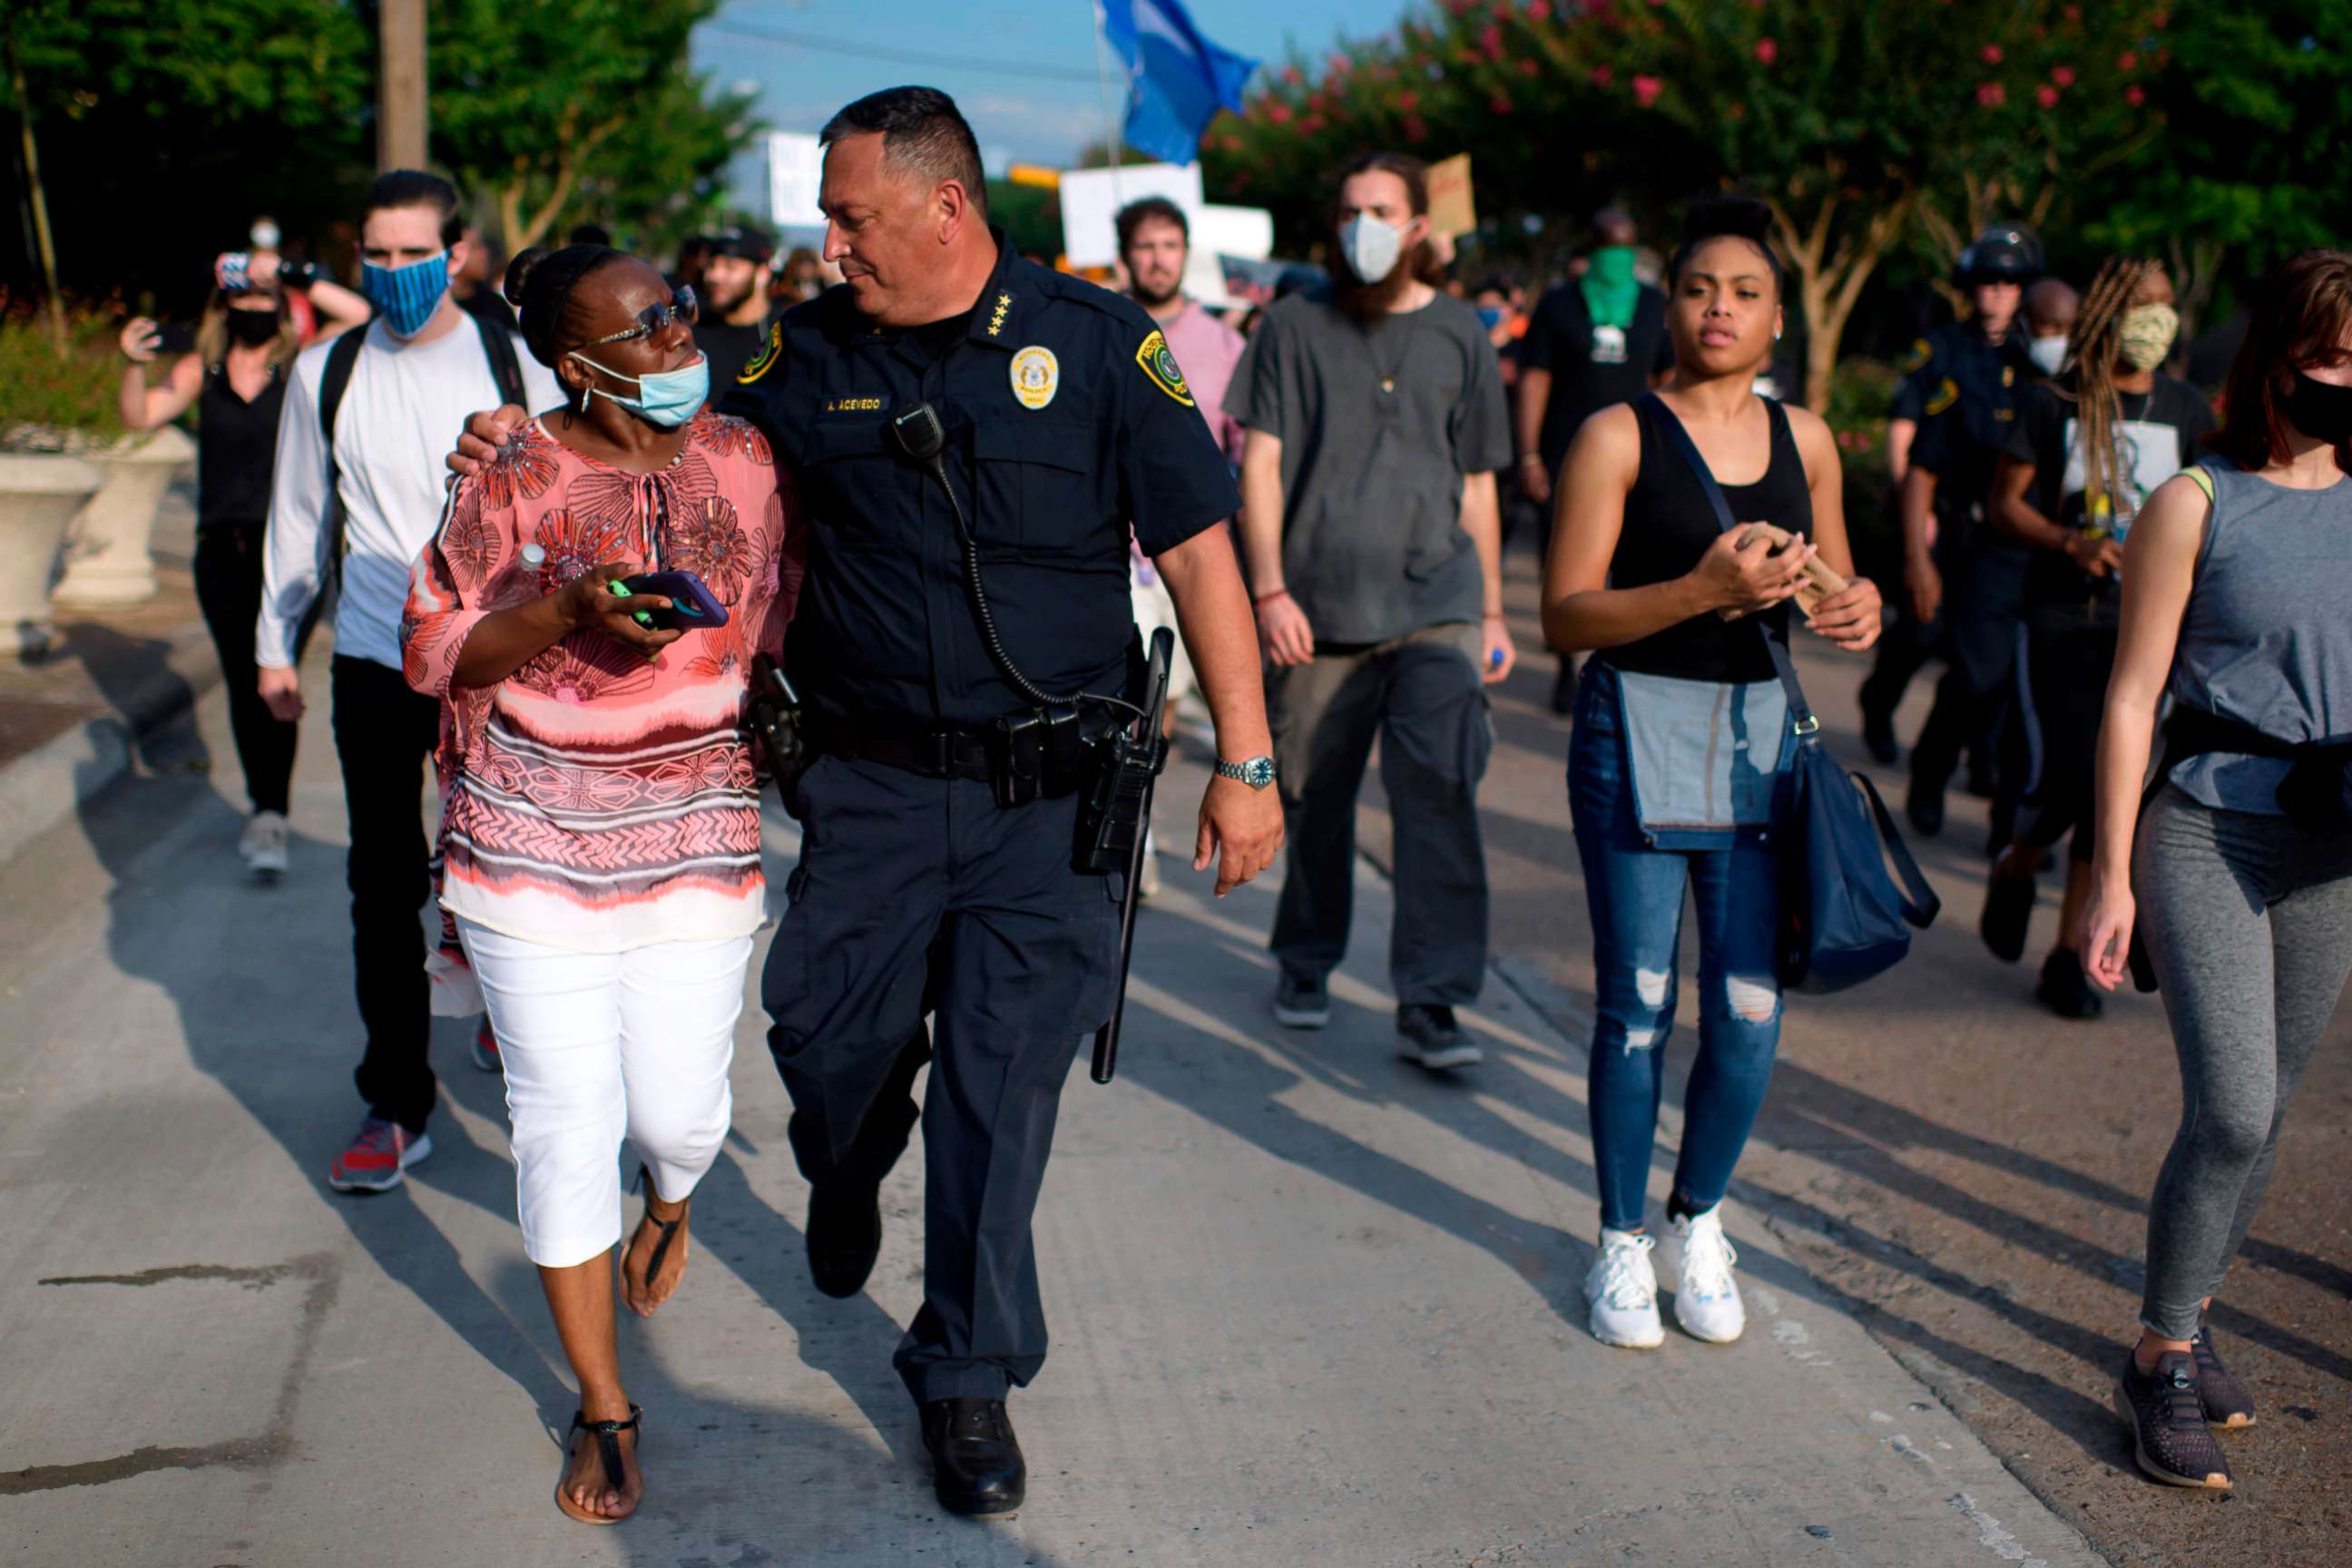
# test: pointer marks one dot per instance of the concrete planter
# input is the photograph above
(107, 560)
(38, 497)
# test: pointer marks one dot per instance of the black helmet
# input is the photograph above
(2003, 253)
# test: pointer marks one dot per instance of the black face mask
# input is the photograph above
(252, 328)
(2320, 409)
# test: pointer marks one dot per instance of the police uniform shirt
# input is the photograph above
(729, 348)
(1963, 391)
(1958, 365)
(1067, 418)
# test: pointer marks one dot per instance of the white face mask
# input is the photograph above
(2047, 353)
(1370, 246)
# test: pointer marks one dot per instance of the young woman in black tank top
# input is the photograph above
(236, 381)
(1669, 782)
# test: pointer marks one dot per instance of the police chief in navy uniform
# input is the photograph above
(1066, 421)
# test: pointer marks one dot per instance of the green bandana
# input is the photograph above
(1608, 286)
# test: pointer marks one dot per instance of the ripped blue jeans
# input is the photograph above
(1634, 892)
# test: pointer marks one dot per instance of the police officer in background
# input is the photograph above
(1978, 361)
(1959, 569)
(941, 815)
(733, 323)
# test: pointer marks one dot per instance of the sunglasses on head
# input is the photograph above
(681, 306)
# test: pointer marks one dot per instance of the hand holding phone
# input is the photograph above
(692, 606)
(1820, 581)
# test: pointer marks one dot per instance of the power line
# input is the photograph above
(897, 57)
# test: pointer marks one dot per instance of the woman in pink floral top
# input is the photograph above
(601, 817)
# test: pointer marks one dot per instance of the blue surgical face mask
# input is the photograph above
(406, 296)
(667, 398)
(1490, 316)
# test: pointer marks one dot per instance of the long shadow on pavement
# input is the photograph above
(262, 1047)
(1231, 1066)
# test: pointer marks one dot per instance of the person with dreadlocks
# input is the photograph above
(2089, 446)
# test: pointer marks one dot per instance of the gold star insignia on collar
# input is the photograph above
(996, 317)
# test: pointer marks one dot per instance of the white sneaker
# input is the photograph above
(263, 846)
(1707, 1298)
(1622, 1292)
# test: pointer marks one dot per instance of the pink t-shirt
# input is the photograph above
(1206, 351)
(595, 800)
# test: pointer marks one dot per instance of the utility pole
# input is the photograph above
(400, 88)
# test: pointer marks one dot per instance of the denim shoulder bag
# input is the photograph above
(1843, 917)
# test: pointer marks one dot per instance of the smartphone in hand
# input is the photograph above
(1821, 581)
(692, 605)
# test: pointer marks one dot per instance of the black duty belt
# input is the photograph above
(934, 751)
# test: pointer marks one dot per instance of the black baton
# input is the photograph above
(1138, 763)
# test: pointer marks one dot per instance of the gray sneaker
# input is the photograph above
(1430, 1035)
(1300, 1003)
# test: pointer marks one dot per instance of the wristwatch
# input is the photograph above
(1256, 772)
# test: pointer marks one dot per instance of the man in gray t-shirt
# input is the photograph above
(1371, 529)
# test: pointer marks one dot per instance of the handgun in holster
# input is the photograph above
(776, 717)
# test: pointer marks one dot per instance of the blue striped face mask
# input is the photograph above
(406, 296)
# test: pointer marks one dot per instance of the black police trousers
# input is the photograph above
(916, 895)
(1984, 593)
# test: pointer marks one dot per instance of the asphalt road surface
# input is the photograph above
(1310, 1304)
(1967, 1175)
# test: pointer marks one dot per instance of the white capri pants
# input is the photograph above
(599, 1044)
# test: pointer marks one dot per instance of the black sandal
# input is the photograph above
(668, 1228)
(608, 1446)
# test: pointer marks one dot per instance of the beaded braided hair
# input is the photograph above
(2091, 353)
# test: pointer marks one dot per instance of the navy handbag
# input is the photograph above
(1843, 917)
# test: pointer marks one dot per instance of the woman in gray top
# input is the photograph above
(2235, 581)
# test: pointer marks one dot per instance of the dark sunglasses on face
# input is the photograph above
(682, 307)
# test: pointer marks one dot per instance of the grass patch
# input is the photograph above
(77, 392)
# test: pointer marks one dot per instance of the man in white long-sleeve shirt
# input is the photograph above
(420, 368)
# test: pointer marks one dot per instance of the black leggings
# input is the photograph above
(228, 588)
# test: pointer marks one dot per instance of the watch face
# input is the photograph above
(1258, 771)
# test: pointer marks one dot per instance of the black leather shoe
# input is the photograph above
(1925, 806)
(2008, 909)
(976, 1464)
(844, 1237)
(2064, 989)
(1563, 687)
(1878, 737)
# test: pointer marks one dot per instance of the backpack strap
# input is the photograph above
(505, 369)
(333, 382)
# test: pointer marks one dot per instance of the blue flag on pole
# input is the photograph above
(1177, 79)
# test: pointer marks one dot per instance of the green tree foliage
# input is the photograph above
(564, 110)
(1864, 124)
(2253, 101)
(166, 126)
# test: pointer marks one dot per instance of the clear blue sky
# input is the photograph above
(1014, 106)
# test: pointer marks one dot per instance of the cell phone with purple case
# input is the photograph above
(692, 607)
